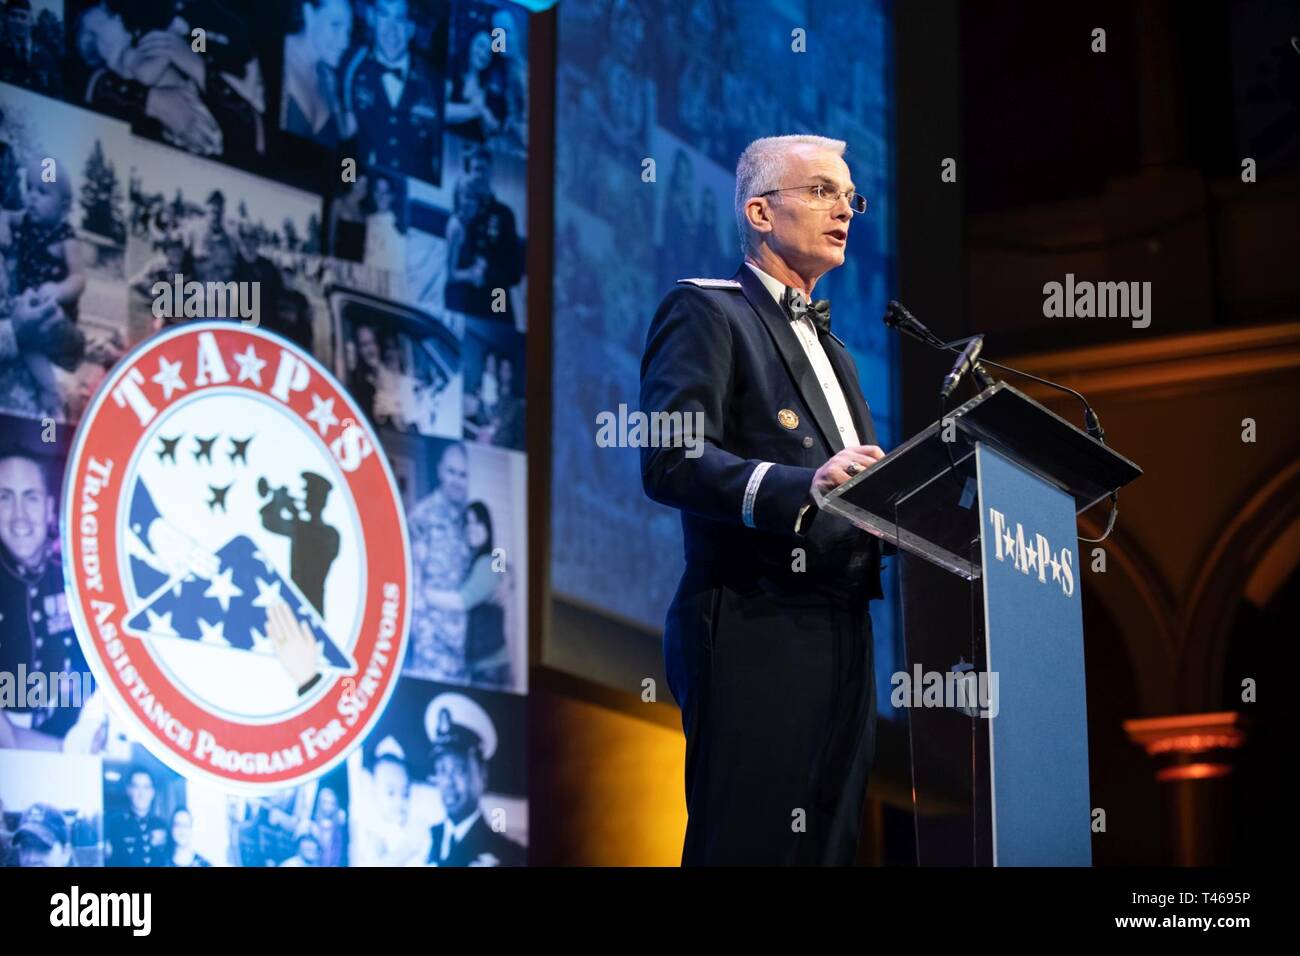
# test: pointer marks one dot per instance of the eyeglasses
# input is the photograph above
(822, 196)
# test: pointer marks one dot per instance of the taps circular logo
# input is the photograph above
(237, 557)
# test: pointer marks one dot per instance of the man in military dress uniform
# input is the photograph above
(767, 643)
(26, 57)
(394, 98)
(35, 625)
(491, 254)
(136, 837)
(464, 740)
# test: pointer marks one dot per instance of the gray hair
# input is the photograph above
(761, 167)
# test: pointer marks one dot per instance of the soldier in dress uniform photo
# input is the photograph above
(485, 253)
(464, 741)
(392, 94)
(136, 836)
(31, 53)
(35, 627)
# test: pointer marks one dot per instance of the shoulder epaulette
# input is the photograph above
(711, 283)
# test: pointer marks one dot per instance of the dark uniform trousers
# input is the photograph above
(779, 716)
(768, 641)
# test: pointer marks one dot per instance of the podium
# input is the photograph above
(982, 507)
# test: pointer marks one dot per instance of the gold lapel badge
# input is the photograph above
(787, 418)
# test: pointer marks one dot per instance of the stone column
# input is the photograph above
(1192, 754)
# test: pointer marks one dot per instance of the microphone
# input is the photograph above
(969, 356)
(900, 320)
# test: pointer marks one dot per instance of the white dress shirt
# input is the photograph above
(806, 332)
(392, 85)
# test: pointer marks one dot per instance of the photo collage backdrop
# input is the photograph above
(364, 162)
(689, 85)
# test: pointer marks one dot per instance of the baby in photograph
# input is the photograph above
(387, 833)
(47, 268)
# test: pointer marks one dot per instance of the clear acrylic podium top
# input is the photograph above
(921, 496)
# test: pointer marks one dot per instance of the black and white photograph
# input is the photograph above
(492, 356)
(51, 810)
(494, 592)
(433, 478)
(63, 244)
(366, 80)
(366, 220)
(31, 45)
(439, 781)
(427, 217)
(487, 84)
(184, 72)
(311, 95)
(466, 520)
(465, 246)
(208, 222)
(401, 365)
(485, 238)
(386, 225)
(392, 86)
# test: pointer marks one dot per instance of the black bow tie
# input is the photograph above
(819, 310)
(396, 71)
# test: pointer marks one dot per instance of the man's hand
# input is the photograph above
(843, 466)
(504, 592)
(29, 311)
(186, 121)
(160, 45)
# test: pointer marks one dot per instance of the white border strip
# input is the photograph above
(751, 492)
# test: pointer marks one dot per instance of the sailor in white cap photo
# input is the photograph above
(464, 740)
